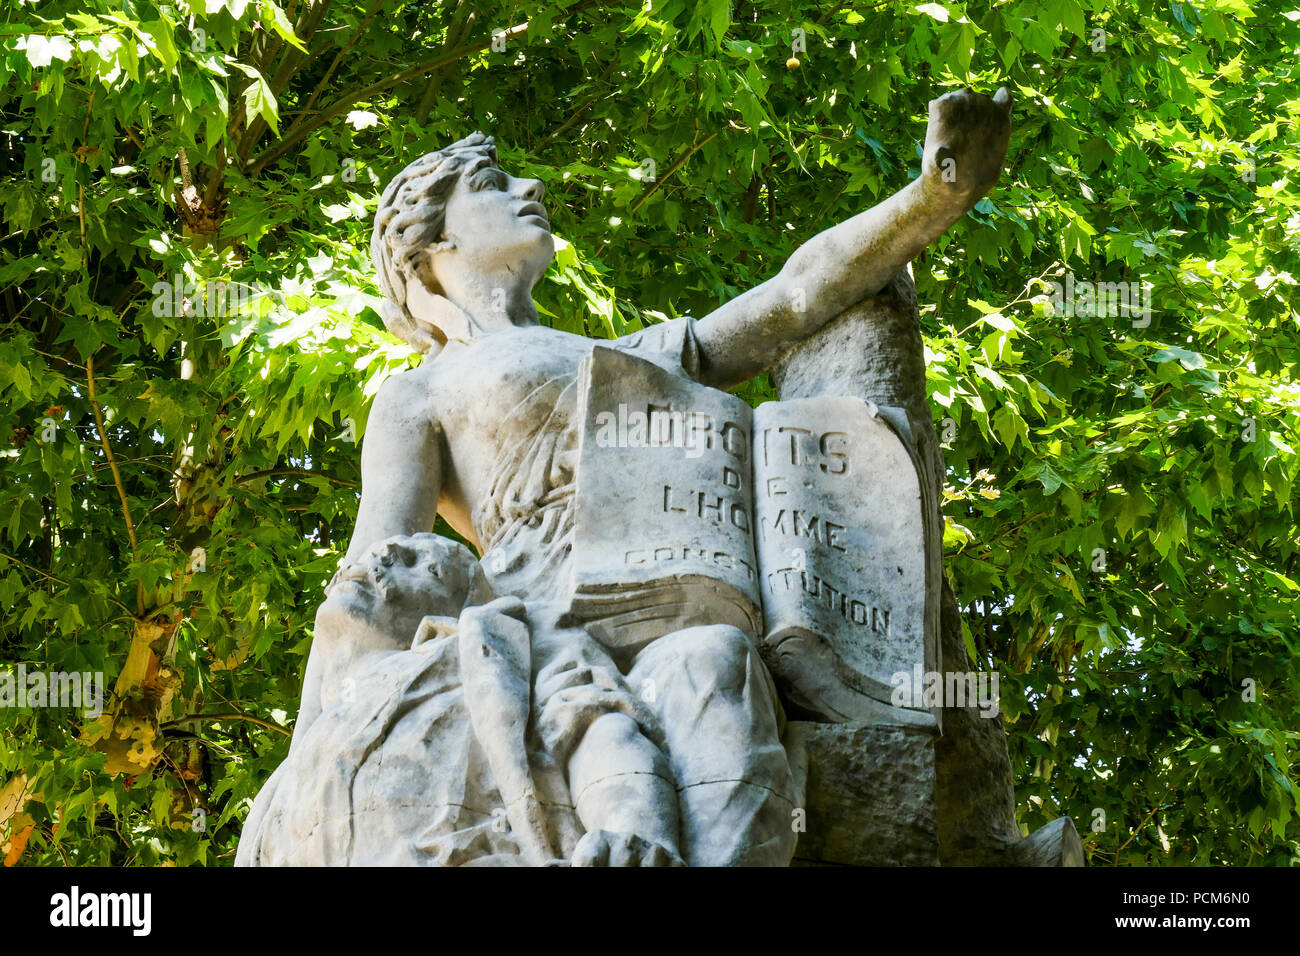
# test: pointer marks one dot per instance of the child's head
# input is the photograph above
(399, 581)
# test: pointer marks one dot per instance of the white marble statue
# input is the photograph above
(656, 749)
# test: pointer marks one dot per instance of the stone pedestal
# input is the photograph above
(869, 793)
(869, 797)
(1056, 844)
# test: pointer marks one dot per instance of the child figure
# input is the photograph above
(424, 751)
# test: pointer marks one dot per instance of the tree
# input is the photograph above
(190, 347)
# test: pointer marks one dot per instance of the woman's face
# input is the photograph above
(498, 223)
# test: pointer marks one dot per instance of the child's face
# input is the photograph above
(397, 583)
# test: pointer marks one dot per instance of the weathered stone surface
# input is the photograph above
(875, 351)
(849, 595)
(868, 792)
(673, 459)
(419, 755)
(802, 523)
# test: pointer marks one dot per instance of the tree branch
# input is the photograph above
(456, 33)
(678, 164)
(117, 476)
(1138, 829)
(581, 108)
(254, 475)
(338, 57)
(51, 577)
(305, 29)
(215, 717)
(305, 126)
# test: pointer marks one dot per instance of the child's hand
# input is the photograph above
(481, 621)
(509, 606)
(604, 848)
(496, 632)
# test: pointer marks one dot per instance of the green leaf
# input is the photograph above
(1188, 359)
(42, 50)
(258, 98)
(158, 37)
(270, 13)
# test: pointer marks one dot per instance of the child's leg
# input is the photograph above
(718, 711)
(592, 723)
(622, 784)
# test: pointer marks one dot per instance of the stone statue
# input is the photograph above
(627, 713)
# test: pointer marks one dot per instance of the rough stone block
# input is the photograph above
(868, 790)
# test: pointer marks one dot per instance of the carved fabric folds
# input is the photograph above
(525, 522)
(394, 776)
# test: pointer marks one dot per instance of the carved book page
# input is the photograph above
(841, 552)
(664, 516)
(801, 523)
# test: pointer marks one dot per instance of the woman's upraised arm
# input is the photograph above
(965, 144)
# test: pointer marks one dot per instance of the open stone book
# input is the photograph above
(804, 523)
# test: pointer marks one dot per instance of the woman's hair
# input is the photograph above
(410, 218)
